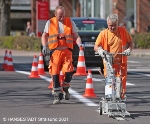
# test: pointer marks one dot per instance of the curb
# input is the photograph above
(140, 55)
(134, 53)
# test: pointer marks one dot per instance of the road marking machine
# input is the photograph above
(112, 104)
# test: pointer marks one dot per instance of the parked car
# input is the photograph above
(88, 30)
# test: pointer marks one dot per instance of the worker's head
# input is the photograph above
(60, 13)
(28, 23)
(112, 22)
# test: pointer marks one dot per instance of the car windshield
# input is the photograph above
(90, 25)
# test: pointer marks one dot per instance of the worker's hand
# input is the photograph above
(44, 50)
(101, 52)
(127, 52)
(81, 45)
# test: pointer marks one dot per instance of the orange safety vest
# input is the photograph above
(54, 34)
(124, 42)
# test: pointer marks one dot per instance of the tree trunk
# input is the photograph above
(5, 17)
(33, 15)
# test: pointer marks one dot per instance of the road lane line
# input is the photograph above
(82, 99)
(74, 93)
(97, 79)
(140, 73)
(23, 72)
(130, 84)
(137, 70)
(129, 65)
(133, 62)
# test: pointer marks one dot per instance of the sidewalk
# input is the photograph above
(135, 52)
(19, 52)
(141, 52)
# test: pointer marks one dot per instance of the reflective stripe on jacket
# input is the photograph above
(54, 33)
(123, 38)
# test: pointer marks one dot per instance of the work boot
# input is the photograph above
(124, 98)
(57, 98)
(66, 93)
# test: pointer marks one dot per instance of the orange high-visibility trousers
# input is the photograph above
(61, 60)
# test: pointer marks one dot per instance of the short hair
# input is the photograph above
(112, 18)
(59, 7)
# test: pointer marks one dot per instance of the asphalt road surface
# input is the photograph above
(24, 100)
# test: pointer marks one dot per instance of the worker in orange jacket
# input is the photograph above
(59, 34)
(115, 39)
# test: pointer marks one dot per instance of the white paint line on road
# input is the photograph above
(74, 93)
(23, 72)
(133, 62)
(28, 73)
(143, 68)
(81, 98)
(135, 65)
(138, 70)
(78, 96)
(46, 78)
(140, 74)
(130, 84)
(97, 79)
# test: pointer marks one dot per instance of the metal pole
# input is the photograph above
(102, 7)
(84, 8)
(81, 9)
(110, 6)
(92, 8)
(33, 15)
(73, 7)
(135, 25)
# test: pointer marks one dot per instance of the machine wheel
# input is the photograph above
(100, 108)
(123, 111)
(109, 115)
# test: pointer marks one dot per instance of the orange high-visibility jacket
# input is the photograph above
(123, 38)
(54, 34)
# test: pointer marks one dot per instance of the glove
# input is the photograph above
(44, 50)
(101, 52)
(127, 52)
(81, 45)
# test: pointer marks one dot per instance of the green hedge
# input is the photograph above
(21, 43)
(141, 41)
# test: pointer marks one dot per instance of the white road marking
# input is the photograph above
(130, 84)
(74, 93)
(138, 70)
(97, 79)
(133, 62)
(141, 74)
(143, 68)
(81, 98)
(134, 65)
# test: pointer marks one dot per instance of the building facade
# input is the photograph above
(133, 13)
